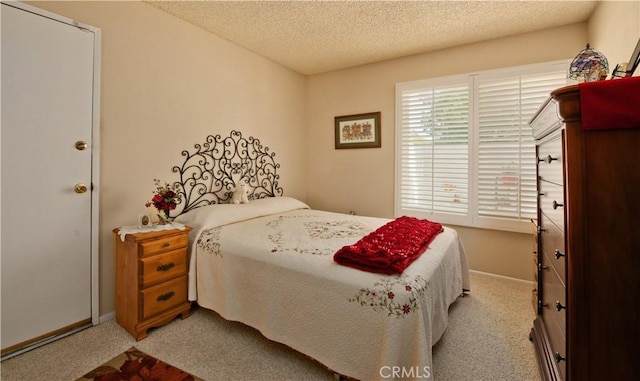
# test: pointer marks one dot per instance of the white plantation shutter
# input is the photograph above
(465, 151)
(434, 149)
(506, 150)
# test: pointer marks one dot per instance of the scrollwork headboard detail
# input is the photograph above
(209, 174)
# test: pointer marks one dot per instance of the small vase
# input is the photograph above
(163, 217)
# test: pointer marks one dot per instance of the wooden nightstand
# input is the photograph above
(151, 279)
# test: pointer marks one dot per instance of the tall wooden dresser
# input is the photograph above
(588, 322)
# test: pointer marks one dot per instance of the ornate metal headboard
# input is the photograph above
(209, 174)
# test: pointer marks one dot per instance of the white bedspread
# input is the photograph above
(269, 264)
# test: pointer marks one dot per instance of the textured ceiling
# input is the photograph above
(312, 37)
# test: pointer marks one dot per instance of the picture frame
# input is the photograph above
(358, 131)
(144, 221)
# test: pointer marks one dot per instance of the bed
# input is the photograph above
(269, 264)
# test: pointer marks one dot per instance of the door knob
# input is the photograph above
(80, 188)
(81, 146)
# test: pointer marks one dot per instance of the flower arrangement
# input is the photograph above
(165, 198)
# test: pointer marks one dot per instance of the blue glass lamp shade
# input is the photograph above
(589, 65)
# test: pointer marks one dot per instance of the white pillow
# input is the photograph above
(221, 214)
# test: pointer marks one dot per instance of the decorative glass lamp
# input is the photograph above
(589, 66)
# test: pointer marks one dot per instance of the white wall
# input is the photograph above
(614, 30)
(363, 179)
(166, 85)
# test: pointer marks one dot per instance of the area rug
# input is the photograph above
(135, 365)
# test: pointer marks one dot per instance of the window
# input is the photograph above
(465, 153)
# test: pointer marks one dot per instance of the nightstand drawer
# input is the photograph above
(165, 244)
(159, 298)
(159, 268)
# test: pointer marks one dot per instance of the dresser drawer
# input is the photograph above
(159, 268)
(552, 245)
(558, 342)
(161, 297)
(546, 120)
(554, 305)
(550, 159)
(164, 244)
(551, 202)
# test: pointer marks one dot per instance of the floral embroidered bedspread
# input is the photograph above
(269, 264)
(391, 248)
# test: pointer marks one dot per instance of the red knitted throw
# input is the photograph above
(391, 248)
(610, 104)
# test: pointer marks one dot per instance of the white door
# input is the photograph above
(47, 77)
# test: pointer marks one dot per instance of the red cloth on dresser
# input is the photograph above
(610, 104)
(392, 247)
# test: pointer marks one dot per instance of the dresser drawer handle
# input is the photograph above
(547, 159)
(165, 297)
(167, 244)
(556, 204)
(558, 254)
(559, 306)
(166, 267)
(558, 357)
(540, 230)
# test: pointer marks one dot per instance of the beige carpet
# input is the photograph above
(487, 339)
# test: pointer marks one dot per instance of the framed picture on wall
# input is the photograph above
(358, 131)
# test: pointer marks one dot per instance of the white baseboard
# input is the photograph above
(491, 275)
(106, 317)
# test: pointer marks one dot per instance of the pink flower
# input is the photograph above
(406, 309)
(390, 295)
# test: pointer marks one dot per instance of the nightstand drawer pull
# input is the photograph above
(558, 254)
(167, 244)
(165, 297)
(560, 306)
(556, 205)
(558, 357)
(166, 267)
